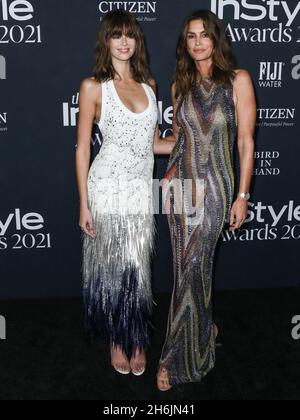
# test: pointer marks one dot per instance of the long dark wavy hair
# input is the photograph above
(223, 59)
(116, 23)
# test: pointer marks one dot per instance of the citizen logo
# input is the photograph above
(2, 68)
(19, 10)
(296, 68)
(276, 113)
(3, 122)
(138, 7)
(270, 74)
(257, 11)
(2, 328)
(3, 118)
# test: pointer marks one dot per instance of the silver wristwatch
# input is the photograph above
(246, 195)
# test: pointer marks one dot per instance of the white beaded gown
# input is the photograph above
(116, 263)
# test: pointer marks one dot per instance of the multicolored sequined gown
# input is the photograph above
(116, 263)
(203, 154)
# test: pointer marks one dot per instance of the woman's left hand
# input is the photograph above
(238, 213)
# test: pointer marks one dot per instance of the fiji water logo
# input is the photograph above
(270, 74)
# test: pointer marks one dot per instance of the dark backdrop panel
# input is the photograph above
(47, 50)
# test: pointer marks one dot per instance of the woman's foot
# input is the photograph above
(163, 379)
(138, 362)
(119, 360)
(162, 375)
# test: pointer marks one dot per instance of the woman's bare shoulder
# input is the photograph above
(241, 75)
(90, 86)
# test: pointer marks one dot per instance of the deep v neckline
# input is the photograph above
(117, 96)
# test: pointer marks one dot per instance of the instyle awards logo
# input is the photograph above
(268, 223)
(280, 17)
(3, 121)
(14, 15)
(145, 11)
(2, 68)
(19, 231)
(70, 112)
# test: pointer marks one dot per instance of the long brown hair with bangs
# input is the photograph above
(186, 72)
(118, 22)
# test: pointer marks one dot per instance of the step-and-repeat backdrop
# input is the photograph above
(46, 49)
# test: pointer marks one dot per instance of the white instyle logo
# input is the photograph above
(281, 14)
(3, 121)
(12, 235)
(70, 111)
(264, 9)
(270, 74)
(270, 223)
(19, 11)
(2, 68)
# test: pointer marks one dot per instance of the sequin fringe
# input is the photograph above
(117, 278)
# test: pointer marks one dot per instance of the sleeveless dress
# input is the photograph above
(202, 161)
(116, 263)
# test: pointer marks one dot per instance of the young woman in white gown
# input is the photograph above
(116, 208)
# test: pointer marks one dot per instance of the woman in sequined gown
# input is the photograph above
(213, 105)
(116, 214)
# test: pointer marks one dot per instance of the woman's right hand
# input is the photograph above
(86, 222)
